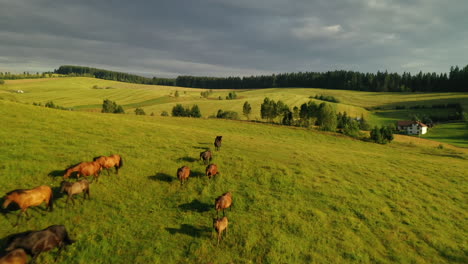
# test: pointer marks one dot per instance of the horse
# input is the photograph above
(26, 198)
(113, 160)
(211, 170)
(35, 242)
(207, 156)
(217, 142)
(220, 225)
(84, 168)
(222, 202)
(183, 173)
(17, 256)
(75, 188)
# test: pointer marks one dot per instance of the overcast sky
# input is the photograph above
(234, 37)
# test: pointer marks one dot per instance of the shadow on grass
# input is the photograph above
(56, 173)
(187, 159)
(197, 174)
(189, 230)
(161, 177)
(195, 206)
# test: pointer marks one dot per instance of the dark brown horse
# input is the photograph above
(217, 142)
(113, 160)
(211, 170)
(73, 188)
(206, 156)
(26, 198)
(35, 242)
(183, 173)
(17, 256)
(84, 169)
(223, 202)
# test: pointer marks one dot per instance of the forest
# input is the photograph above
(455, 81)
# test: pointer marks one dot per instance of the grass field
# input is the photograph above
(78, 92)
(451, 133)
(300, 196)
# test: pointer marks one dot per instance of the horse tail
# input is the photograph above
(120, 162)
(50, 204)
(6, 203)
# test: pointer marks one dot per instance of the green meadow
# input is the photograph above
(300, 196)
(78, 93)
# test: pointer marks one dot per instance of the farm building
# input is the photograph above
(412, 127)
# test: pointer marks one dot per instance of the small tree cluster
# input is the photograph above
(179, 110)
(139, 111)
(51, 104)
(109, 106)
(206, 94)
(227, 114)
(382, 135)
(2, 81)
(231, 96)
(327, 98)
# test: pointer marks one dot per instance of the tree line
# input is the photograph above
(112, 75)
(455, 81)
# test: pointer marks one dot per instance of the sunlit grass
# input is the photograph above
(300, 196)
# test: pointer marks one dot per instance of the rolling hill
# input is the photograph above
(300, 196)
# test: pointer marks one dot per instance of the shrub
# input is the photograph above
(109, 106)
(140, 111)
(164, 113)
(227, 114)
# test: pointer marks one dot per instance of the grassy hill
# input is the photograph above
(300, 196)
(78, 92)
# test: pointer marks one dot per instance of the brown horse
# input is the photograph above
(84, 168)
(220, 225)
(183, 173)
(207, 156)
(113, 160)
(17, 256)
(222, 202)
(73, 188)
(217, 142)
(211, 170)
(30, 197)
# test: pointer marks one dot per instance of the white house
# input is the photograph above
(412, 127)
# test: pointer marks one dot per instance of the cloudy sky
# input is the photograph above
(167, 38)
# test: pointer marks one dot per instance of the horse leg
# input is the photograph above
(68, 198)
(73, 200)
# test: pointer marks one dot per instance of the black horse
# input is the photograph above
(218, 141)
(35, 242)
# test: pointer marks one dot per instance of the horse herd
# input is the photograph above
(222, 202)
(35, 242)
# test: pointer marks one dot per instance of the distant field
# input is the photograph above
(451, 133)
(300, 196)
(78, 93)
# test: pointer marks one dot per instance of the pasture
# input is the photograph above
(299, 196)
(78, 93)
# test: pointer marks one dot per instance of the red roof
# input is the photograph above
(409, 123)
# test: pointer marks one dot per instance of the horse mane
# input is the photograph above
(19, 191)
(72, 166)
(95, 158)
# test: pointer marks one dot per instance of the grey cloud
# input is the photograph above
(221, 37)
